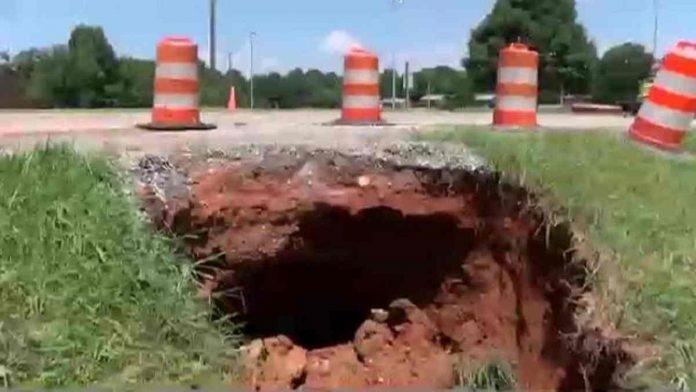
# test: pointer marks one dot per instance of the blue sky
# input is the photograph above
(308, 33)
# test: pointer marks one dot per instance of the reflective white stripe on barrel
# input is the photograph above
(676, 83)
(185, 71)
(176, 101)
(517, 75)
(516, 103)
(360, 101)
(665, 117)
(685, 51)
(360, 76)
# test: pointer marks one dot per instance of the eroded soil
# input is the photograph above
(354, 273)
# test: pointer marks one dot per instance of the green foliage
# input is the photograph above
(634, 203)
(92, 66)
(386, 84)
(25, 61)
(88, 294)
(47, 82)
(214, 87)
(620, 72)
(12, 85)
(494, 376)
(299, 89)
(134, 87)
(454, 84)
(80, 74)
(86, 73)
(567, 56)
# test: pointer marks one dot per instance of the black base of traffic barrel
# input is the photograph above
(177, 127)
(378, 123)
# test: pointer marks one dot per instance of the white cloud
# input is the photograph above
(339, 42)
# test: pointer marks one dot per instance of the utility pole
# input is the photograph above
(429, 97)
(395, 4)
(393, 81)
(230, 61)
(407, 86)
(656, 11)
(252, 35)
(212, 39)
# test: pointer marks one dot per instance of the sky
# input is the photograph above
(312, 33)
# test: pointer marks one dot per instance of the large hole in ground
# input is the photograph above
(338, 267)
(355, 274)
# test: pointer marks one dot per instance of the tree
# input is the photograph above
(241, 86)
(620, 72)
(214, 86)
(567, 56)
(23, 63)
(135, 83)
(385, 83)
(442, 80)
(93, 67)
(47, 84)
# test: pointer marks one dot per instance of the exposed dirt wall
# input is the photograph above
(353, 272)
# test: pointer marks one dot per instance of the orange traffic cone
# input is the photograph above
(232, 103)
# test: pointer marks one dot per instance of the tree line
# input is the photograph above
(87, 73)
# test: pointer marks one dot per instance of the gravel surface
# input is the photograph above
(170, 180)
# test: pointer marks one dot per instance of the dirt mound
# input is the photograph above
(354, 273)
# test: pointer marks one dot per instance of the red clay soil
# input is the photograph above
(352, 274)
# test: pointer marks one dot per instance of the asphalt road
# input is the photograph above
(115, 130)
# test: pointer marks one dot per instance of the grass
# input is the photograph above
(640, 206)
(88, 294)
(690, 141)
(494, 376)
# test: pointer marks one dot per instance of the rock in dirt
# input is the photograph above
(275, 364)
(335, 367)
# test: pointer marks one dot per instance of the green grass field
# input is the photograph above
(636, 206)
(88, 293)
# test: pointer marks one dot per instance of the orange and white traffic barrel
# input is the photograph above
(517, 90)
(176, 87)
(361, 95)
(666, 114)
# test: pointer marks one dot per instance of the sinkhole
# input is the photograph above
(355, 273)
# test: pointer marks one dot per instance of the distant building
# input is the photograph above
(387, 102)
(483, 98)
(434, 99)
(487, 99)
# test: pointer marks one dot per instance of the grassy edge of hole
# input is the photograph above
(89, 294)
(620, 200)
(496, 375)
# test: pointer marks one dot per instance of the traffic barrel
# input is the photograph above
(361, 95)
(175, 104)
(517, 89)
(666, 114)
